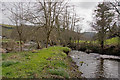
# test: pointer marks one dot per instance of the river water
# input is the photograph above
(95, 65)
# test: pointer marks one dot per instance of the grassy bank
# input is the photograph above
(112, 41)
(49, 62)
(111, 46)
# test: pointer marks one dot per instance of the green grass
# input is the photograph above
(86, 41)
(59, 71)
(8, 63)
(7, 25)
(47, 62)
(8, 40)
(112, 41)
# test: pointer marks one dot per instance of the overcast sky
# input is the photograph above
(83, 8)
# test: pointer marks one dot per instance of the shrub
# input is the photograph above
(9, 46)
(89, 46)
(82, 46)
(66, 50)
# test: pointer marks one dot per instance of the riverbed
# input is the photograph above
(94, 65)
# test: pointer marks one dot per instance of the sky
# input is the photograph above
(83, 8)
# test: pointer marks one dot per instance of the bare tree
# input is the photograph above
(45, 15)
(78, 29)
(70, 20)
(16, 13)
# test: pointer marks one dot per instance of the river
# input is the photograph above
(95, 65)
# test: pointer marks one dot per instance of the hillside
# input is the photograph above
(6, 30)
(7, 26)
(88, 35)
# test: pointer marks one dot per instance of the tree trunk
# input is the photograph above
(78, 41)
(20, 38)
(47, 40)
(51, 42)
(102, 46)
(38, 45)
(20, 45)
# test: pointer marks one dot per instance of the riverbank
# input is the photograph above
(50, 62)
(111, 46)
(90, 47)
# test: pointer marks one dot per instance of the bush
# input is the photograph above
(112, 50)
(66, 50)
(89, 46)
(82, 47)
(9, 46)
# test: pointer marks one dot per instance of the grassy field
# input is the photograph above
(112, 41)
(48, 62)
(7, 25)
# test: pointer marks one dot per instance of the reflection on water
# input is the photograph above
(100, 69)
(92, 66)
